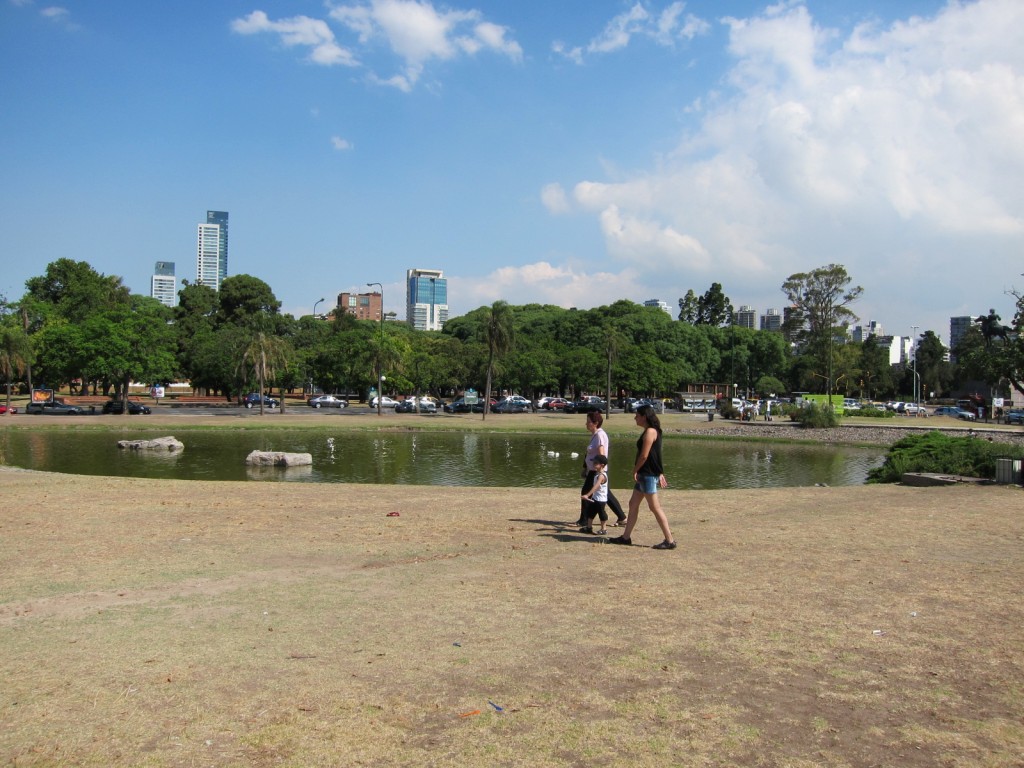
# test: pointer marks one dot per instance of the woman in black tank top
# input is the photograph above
(649, 473)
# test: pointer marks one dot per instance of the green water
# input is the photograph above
(445, 459)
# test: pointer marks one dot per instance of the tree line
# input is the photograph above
(74, 324)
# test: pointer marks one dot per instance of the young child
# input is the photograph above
(596, 498)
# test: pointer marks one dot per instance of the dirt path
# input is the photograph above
(169, 623)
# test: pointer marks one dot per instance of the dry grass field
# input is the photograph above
(167, 623)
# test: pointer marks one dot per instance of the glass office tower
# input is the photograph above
(212, 250)
(426, 299)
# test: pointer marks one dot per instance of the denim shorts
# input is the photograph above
(646, 484)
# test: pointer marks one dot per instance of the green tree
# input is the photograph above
(265, 355)
(498, 335)
(819, 314)
(16, 353)
(714, 308)
(689, 308)
(246, 300)
(935, 371)
(873, 372)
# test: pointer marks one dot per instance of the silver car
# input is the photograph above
(327, 401)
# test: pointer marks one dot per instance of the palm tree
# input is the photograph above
(499, 335)
(266, 355)
(15, 354)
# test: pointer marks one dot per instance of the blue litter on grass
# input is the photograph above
(496, 707)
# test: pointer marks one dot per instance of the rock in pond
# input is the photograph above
(278, 459)
(158, 444)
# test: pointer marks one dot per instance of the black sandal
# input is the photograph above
(620, 540)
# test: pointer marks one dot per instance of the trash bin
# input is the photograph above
(711, 415)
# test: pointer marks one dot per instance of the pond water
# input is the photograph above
(431, 458)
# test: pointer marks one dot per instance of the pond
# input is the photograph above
(435, 458)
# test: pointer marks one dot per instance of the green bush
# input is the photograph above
(942, 454)
(728, 412)
(813, 416)
(875, 413)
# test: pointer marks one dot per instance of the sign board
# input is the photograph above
(42, 395)
(470, 397)
(157, 391)
(997, 402)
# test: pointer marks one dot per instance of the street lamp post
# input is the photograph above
(913, 348)
(315, 304)
(380, 358)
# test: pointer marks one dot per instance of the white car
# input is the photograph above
(520, 400)
(385, 402)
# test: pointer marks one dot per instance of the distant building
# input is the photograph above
(861, 332)
(212, 250)
(659, 304)
(894, 346)
(745, 317)
(426, 299)
(163, 286)
(364, 306)
(957, 328)
(771, 320)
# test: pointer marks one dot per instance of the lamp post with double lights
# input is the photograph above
(380, 354)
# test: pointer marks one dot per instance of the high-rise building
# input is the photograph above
(212, 250)
(163, 286)
(663, 305)
(745, 317)
(426, 299)
(362, 306)
(957, 328)
(771, 320)
(861, 332)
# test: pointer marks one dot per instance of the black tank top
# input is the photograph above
(653, 464)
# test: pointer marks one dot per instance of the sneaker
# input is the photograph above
(620, 540)
(586, 529)
(665, 545)
(600, 532)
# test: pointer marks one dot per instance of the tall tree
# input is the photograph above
(714, 307)
(689, 309)
(819, 302)
(499, 335)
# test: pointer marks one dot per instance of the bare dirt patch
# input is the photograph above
(165, 623)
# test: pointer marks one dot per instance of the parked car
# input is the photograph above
(585, 405)
(657, 405)
(385, 402)
(912, 409)
(521, 400)
(460, 405)
(326, 401)
(409, 405)
(1015, 416)
(54, 408)
(555, 404)
(5, 409)
(253, 398)
(510, 405)
(542, 402)
(953, 412)
(134, 407)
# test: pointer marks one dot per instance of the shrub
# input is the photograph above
(942, 454)
(728, 412)
(813, 416)
(875, 413)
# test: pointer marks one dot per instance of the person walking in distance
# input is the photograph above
(598, 447)
(649, 474)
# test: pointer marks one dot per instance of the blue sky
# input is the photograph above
(573, 152)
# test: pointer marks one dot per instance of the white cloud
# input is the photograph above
(301, 31)
(895, 151)
(340, 144)
(664, 27)
(418, 33)
(554, 198)
(543, 283)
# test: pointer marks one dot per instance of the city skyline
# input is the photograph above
(570, 154)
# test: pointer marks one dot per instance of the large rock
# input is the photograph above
(278, 459)
(159, 444)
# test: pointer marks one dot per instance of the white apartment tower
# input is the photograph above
(212, 250)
